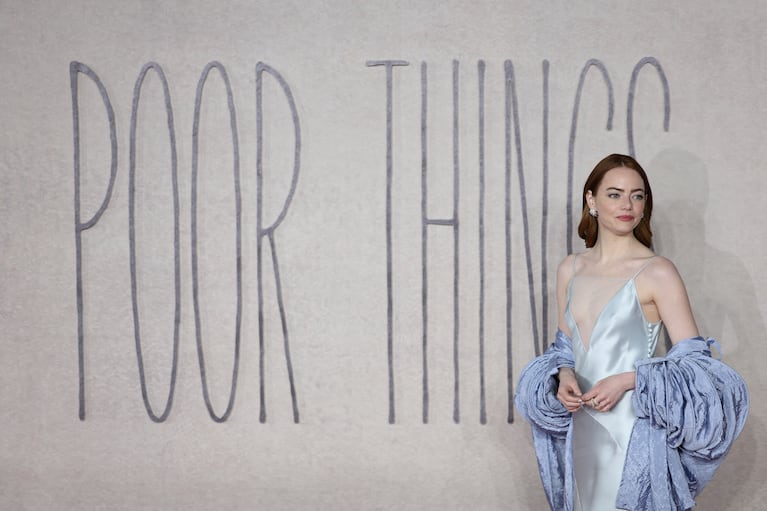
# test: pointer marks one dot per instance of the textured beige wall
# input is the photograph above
(343, 453)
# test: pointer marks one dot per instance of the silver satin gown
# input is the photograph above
(619, 336)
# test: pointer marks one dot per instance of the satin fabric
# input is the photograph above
(620, 337)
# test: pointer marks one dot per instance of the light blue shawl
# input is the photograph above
(690, 408)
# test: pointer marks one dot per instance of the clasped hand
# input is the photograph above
(601, 397)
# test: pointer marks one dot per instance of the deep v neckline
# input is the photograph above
(630, 280)
(587, 346)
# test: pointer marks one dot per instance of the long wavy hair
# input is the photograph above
(588, 229)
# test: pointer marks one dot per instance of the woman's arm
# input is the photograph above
(564, 274)
(665, 289)
(569, 393)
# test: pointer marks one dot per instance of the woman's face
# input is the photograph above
(619, 200)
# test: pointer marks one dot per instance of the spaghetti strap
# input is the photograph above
(572, 279)
(649, 260)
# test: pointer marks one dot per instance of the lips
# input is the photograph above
(626, 218)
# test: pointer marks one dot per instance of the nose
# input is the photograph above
(627, 203)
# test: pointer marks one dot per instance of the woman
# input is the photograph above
(620, 276)
(612, 300)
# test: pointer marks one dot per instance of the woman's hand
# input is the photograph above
(569, 394)
(607, 392)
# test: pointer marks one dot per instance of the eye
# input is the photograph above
(613, 195)
(639, 196)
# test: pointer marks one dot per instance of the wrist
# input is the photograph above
(629, 380)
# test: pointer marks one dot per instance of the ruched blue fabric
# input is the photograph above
(690, 407)
(536, 400)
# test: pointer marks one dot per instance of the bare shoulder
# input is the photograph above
(661, 268)
(661, 274)
(565, 269)
(663, 286)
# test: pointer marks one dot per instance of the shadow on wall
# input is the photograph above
(721, 292)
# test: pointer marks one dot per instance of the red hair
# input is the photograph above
(588, 229)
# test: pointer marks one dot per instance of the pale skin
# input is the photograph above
(620, 201)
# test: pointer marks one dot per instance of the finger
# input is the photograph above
(570, 397)
(573, 390)
(571, 402)
(595, 402)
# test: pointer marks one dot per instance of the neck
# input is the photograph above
(611, 248)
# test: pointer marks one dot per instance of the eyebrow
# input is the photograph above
(622, 190)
